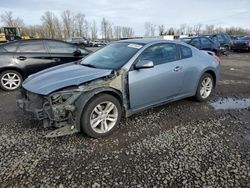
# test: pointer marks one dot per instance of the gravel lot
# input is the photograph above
(182, 144)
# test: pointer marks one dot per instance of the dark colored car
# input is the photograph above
(203, 43)
(20, 59)
(223, 39)
(241, 44)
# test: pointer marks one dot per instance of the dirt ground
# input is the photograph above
(182, 144)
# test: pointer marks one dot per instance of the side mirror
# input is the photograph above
(144, 64)
(77, 53)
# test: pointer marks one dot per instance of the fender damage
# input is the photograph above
(62, 109)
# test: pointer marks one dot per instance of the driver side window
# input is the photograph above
(160, 53)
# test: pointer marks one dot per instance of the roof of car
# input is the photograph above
(29, 40)
(147, 40)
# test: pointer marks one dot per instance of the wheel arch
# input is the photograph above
(13, 69)
(86, 97)
(212, 73)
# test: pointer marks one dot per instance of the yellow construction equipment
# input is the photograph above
(11, 34)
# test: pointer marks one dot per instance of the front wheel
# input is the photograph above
(10, 80)
(101, 115)
(205, 87)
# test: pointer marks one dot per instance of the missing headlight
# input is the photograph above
(60, 98)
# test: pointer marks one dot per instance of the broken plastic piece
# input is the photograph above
(66, 130)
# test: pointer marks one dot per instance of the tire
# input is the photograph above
(10, 80)
(203, 94)
(94, 117)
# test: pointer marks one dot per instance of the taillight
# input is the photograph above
(217, 58)
(249, 44)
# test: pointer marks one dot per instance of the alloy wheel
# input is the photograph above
(104, 117)
(206, 87)
(10, 81)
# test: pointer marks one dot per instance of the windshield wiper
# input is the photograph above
(89, 65)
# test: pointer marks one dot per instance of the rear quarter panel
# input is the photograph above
(200, 63)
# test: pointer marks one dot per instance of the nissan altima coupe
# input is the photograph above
(118, 80)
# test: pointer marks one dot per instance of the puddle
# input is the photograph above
(231, 103)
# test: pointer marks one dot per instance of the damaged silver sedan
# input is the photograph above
(118, 80)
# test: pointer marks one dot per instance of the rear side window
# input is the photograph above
(205, 41)
(11, 47)
(195, 42)
(32, 46)
(185, 51)
(61, 47)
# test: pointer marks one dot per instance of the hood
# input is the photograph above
(62, 76)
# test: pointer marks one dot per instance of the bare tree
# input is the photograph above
(93, 29)
(68, 24)
(209, 29)
(183, 29)
(8, 20)
(80, 24)
(127, 32)
(197, 29)
(161, 29)
(117, 32)
(106, 29)
(219, 29)
(109, 31)
(189, 30)
(171, 31)
(86, 29)
(149, 29)
(50, 24)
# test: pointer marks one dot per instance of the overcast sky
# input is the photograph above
(135, 13)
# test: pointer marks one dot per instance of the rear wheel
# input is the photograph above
(10, 80)
(205, 87)
(101, 115)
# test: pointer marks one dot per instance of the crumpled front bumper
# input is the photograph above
(31, 104)
(36, 107)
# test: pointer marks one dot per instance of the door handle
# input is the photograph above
(56, 59)
(178, 68)
(22, 58)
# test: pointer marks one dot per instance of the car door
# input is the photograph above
(206, 44)
(162, 82)
(32, 56)
(62, 52)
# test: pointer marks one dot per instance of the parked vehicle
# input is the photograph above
(223, 39)
(203, 43)
(241, 44)
(127, 76)
(80, 41)
(236, 37)
(9, 34)
(96, 43)
(21, 58)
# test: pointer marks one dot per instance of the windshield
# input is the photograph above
(113, 56)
